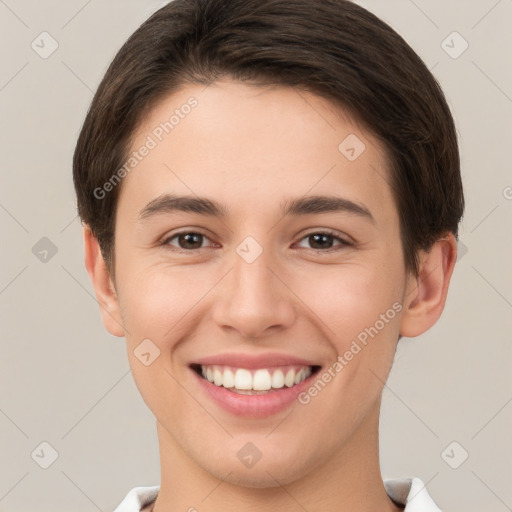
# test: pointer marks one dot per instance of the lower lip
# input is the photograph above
(253, 406)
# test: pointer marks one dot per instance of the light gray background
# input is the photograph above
(65, 381)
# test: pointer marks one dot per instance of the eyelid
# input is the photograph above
(345, 241)
(167, 238)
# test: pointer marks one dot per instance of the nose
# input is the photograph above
(253, 299)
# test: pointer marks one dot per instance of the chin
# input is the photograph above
(263, 475)
(260, 479)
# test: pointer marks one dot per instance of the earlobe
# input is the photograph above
(426, 293)
(103, 285)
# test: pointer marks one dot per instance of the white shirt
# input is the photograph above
(410, 492)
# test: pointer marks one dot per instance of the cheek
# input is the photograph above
(358, 308)
(347, 299)
(157, 301)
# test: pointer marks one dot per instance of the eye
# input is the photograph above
(320, 241)
(186, 240)
(323, 241)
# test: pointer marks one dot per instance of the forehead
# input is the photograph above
(254, 147)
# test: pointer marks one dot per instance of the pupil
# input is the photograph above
(191, 238)
(318, 239)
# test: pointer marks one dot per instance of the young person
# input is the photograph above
(271, 193)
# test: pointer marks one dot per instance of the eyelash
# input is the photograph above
(343, 243)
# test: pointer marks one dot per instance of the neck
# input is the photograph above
(348, 480)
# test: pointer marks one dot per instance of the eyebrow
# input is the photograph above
(169, 203)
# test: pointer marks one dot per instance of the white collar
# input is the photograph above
(410, 492)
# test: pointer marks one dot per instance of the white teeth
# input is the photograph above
(260, 381)
(299, 377)
(217, 377)
(228, 379)
(289, 380)
(278, 379)
(243, 379)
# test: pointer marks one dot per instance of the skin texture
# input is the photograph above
(251, 148)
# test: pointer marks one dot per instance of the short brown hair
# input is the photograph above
(333, 48)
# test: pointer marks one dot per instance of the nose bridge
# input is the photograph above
(252, 298)
(251, 271)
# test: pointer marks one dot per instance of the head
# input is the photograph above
(259, 105)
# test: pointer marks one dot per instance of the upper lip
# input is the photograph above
(248, 361)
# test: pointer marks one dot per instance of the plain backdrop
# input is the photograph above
(67, 398)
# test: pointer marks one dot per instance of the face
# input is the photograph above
(264, 276)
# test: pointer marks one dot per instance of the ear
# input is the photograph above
(426, 293)
(103, 285)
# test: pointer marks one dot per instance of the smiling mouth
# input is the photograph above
(254, 381)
